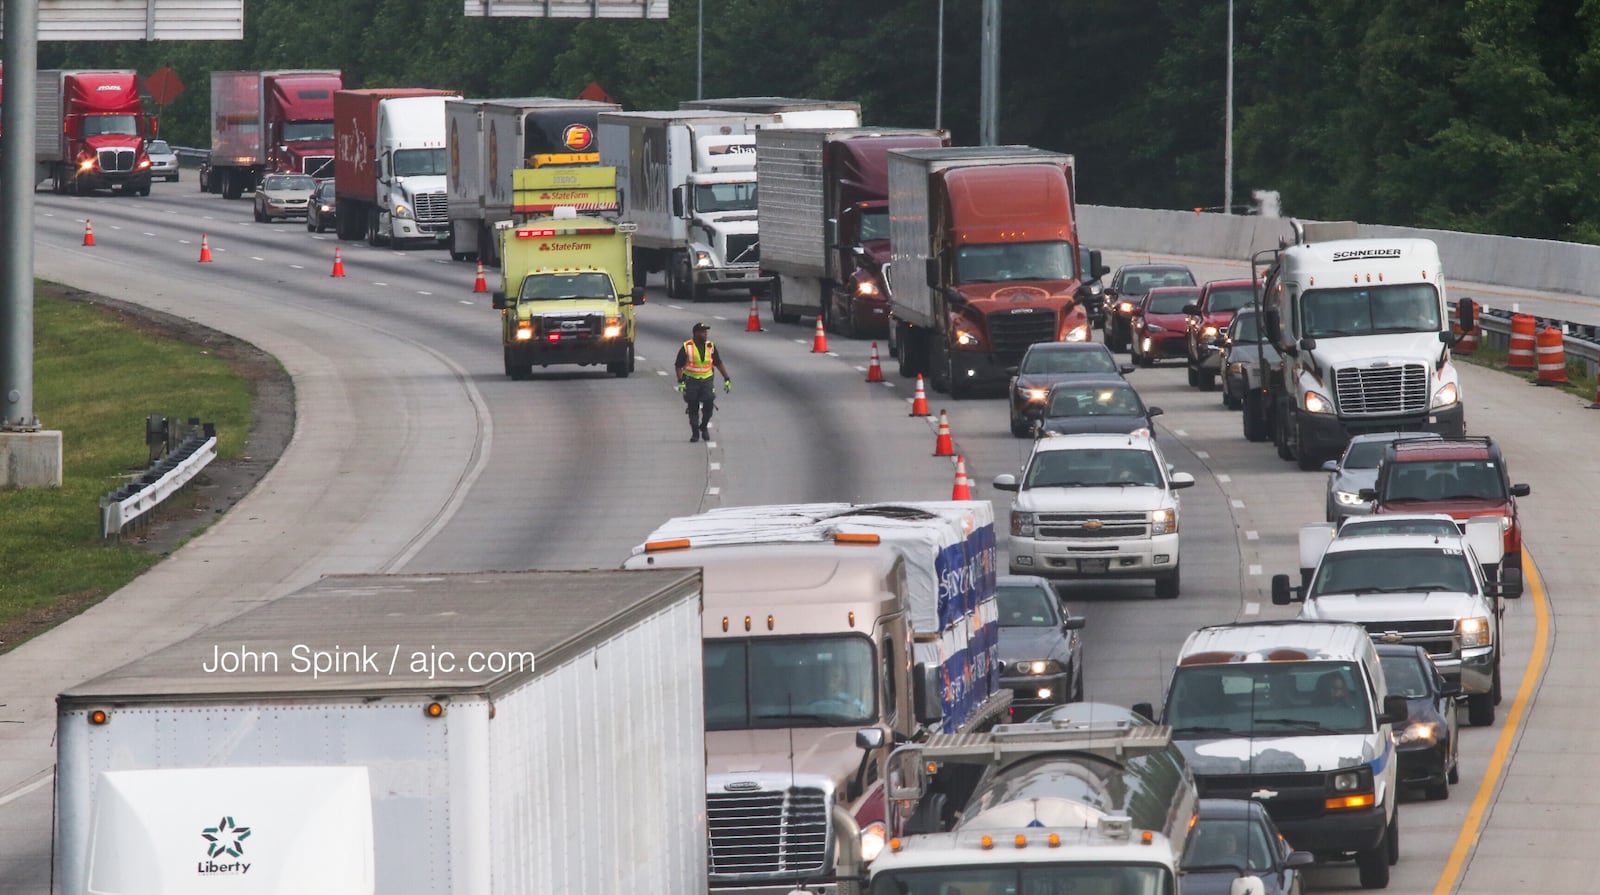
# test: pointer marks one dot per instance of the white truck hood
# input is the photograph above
(420, 185)
(1360, 351)
(1130, 499)
(730, 223)
(1279, 755)
(1392, 607)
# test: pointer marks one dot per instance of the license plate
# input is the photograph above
(1092, 565)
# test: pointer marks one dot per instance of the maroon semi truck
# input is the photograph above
(266, 122)
(823, 212)
(89, 132)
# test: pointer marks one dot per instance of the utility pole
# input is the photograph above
(1227, 140)
(938, 75)
(989, 75)
(700, 51)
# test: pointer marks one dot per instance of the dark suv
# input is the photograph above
(1462, 477)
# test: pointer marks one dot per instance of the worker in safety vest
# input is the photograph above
(696, 361)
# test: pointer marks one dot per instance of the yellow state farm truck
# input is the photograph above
(566, 274)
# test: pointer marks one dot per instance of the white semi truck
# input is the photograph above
(487, 733)
(390, 162)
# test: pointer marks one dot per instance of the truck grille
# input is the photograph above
(570, 327)
(1092, 525)
(744, 249)
(1011, 334)
(116, 161)
(768, 832)
(319, 166)
(1437, 636)
(1371, 391)
(432, 208)
(1298, 796)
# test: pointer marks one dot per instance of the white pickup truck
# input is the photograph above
(1428, 589)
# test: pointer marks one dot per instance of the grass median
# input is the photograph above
(98, 372)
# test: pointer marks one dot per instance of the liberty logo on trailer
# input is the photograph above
(225, 839)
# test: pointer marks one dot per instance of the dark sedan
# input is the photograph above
(323, 213)
(1041, 656)
(1244, 351)
(1429, 743)
(1127, 289)
(1234, 838)
(1047, 363)
(1104, 404)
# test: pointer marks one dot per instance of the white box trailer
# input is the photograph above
(513, 732)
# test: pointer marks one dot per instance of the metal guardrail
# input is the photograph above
(1579, 342)
(172, 467)
(191, 155)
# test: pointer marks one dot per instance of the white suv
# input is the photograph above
(1097, 506)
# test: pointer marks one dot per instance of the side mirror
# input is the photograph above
(1097, 267)
(1308, 344)
(1299, 859)
(1007, 482)
(638, 295)
(1466, 314)
(925, 687)
(1450, 689)
(1074, 623)
(1394, 710)
(1273, 326)
(1192, 309)
(869, 738)
(1368, 494)
(1510, 584)
(497, 299)
(1153, 411)
(677, 202)
(1447, 337)
(1127, 368)
(930, 272)
(1520, 490)
(1145, 710)
(858, 251)
(1330, 466)
(1282, 593)
(1012, 371)
(1182, 480)
(906, 775)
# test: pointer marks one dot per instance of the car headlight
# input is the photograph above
(524, 333)
(1419, 732)
(873, 838)
(702, 259)
(1142, 431)
(1505, 524)
(966, 339)
(1348, 499)
(1163, 522)
(1125, 307)
(1315, 403)
(1077, 334)
(1037, 394)
(1155, 328)
(613, 327)
(1208, 332)
(325, 209)
(866, 287)
(1474, 631)
(1022, 524)
(1036, 666)
(1446, 396)
(1349, 781)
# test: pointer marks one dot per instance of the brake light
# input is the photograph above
(529, 233)
(552, 337)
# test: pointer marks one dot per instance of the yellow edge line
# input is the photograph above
(1472, 826)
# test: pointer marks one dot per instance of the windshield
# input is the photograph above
(289, 182)
(1069, 360)
(1268, 699)
(1387, 525)
(874, 224)
(1139, 282)
(419, 162)
(1246, 328)
(158, 146)
(790, 682)
(1078, 469)
(1231, 299)
(1361, 310)
(1170, 302)
(307, 131)
(713, 198)
(1025, 606)
(1444, 480)
(1404, 675)
(1232, 842)
(1394, 571)
(1006, 261)
(1037, 879)
(325, 190)
(1094, 400)
(1364, 455)
(556, 287)
(101, 125)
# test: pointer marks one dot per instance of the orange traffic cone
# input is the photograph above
(963, 488)
(874, 369)
(819, 342)
(943, 446)
(205, 249)
(88, 233)
(481, 285)
(919, 403)
(753, 325)
(338, 262)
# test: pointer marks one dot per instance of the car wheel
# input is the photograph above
(1167, 584)
(1077, 687)
(1437, 792)
(310, 227)
(1255, 428)
(1019, 426)
(1208, 380)
(1455, 773)
(1194, 375)
(1495, 686)
(260, 218)
(1480, 709)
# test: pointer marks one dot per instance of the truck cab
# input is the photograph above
(91, 132)
(718, 201)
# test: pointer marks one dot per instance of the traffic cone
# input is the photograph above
(338, 262)
(874, 369)
(1552, 356)
(88, 233)
(753, 325)
(943, 446)
(205, 249)
(819, 342)
(963, 488)
(919, 403)
(480, 286)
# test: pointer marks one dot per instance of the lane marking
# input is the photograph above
(713, 490)
(715, 317)
(24, 790)
(676, 307)
(465, 302)
(380, 284)
(661, 372)
(1237, 503)
(149, 234)
(1255, 569)
(1224, 478)
(1494, 773)
(430, 294)
(298, 266)
(1180, 433)
(257, 258)
(1252, 535)
(714, 466)
(1204, 455)
(861, 369)
(709, 445)
(1252, 609)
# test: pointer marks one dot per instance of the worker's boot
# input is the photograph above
(695, 431)
(705, 423)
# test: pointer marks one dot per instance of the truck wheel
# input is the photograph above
(1280, 437)
(1495, 689)
(1373, 865)
(1480, 709)
(143, 190)
(1167, 585)
(903, 351)
(232, 185)
(1255, 428)
(623, 367)
(1208, 380)
(515, 370)
(778, 313)
(374, 239)
(1194, 375)
(958, 386)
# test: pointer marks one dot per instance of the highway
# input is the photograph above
(414, 452)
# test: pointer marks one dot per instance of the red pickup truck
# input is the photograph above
(1463, 477)
(1208, 317)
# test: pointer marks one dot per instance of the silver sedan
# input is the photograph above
(1357, 468)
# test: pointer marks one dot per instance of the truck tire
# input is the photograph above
(1280, 437)
(1168, 584)
(232, 185)
(514, 370)
(1255, 427)
(1208, 380)
(374, 238)
(1194, 375)
(1496, 686)
(622, 368)
(776, 300)
(1480, 709)
(1373, 865)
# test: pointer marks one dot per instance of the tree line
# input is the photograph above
(1478, 116)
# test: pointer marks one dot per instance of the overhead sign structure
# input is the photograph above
(567, 9)
(83, 20)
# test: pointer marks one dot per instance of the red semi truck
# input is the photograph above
(269, 122)
(984, 261)
(89, 132)
(823, 211)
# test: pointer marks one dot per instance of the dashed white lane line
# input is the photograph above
(1180, 433)
(298, 266)
(1255, 569)
(713, 490)
(1236, 503)
(257, 258)
(465, 302)
(380, 284)
(1224, 478)
(714, 466)
(676, 307)
(1203, 455)
(715, 317)
(149, 234)
(419, 292)
(661, 372)
(1252, 609)
(1252, 535)
(710, 445)
(861, 369)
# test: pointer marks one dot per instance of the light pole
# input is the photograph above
(938, 74)
(700, 50)
(1227, 140)
(989, 76)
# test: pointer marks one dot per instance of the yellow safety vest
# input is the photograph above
(699, 368)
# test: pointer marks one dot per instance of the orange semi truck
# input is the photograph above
(984, 261)
(89, 132)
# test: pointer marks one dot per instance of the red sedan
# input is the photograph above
(1160, 327)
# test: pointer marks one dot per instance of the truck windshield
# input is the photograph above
(1364, 310)
(1081, 878)
(874, 224)
(826, 681)
(1092, 469)
(1394, 571)
(420, 162)
(1268, 699)
(1006, 261)
(305, 131)
(555, 287)
(102, 125)
(715, 198)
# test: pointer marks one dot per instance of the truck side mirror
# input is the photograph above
(1308, 344)
(858, 251)
(925, 693)
(931, 273)
(869, 738)
(1006, 482)
(497, 300)
(1394, 710)
(906, 782)
(1145, 710)
(1466, 314)
(1510, 584)
(638, 295)
(677, 202)
(1182, 480)
(1097, 267)
(1273, 326)
(1282, 593)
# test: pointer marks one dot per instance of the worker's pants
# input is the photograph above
(699, 399)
